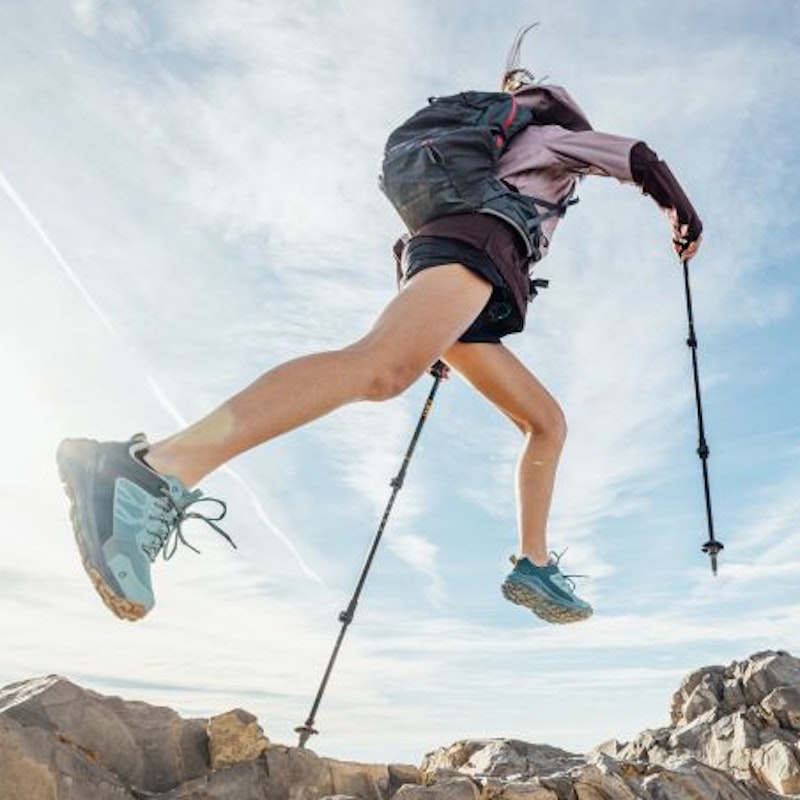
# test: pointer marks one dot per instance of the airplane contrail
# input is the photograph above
(23, 208)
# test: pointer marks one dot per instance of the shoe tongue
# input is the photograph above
(180, 495)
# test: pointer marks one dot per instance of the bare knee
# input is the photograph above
(387, 381)
(546, 424)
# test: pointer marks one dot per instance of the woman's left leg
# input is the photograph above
(535, 582)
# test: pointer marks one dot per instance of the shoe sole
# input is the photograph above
(542, 606)
(122, 607)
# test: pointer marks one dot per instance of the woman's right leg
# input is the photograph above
(418, 325)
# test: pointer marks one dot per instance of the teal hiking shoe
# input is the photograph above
(124, 514)
(545, 591)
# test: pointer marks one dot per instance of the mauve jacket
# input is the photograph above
(545, 161)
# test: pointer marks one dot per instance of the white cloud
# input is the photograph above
(212, 186)
(421, 554)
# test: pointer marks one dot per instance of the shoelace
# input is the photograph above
(555, 559)
(167, 516)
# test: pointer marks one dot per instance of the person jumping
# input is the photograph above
(464, 286)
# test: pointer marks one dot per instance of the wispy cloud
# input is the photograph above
(212, 194)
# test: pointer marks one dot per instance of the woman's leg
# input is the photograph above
(434, 308)
(504, 380)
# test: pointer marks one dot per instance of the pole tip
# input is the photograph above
(713, 548)
(306, 732)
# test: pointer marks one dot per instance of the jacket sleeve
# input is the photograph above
(656, 180)
(543, 158)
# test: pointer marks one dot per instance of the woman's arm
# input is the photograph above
(656, 180)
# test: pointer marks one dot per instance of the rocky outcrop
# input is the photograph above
(743, 719)
(61, 742)
(734, 735)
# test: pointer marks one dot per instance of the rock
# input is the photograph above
(233, 738)
(687, 689)
(691, 780)
(742, 720)
(103, 740)
(517, 790)
(58, 740)
(777, 767)
(448, 789)
(509, 759)
(400, 774)
(767, 671)
(24, 759)
(369, 781)
(704, 698)
(302, 775)
(735, 735)
(247, 780)
(601, 783)
(453, 757)
(649, 746)
(782, 707)
(339, 797)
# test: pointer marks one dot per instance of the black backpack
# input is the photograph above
(441, 161)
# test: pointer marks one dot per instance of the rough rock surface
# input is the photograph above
(743, 719)
(735, 735)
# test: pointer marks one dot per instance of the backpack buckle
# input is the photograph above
(534, 284)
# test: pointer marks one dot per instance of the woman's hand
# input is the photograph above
(683, 247)
(440, 370)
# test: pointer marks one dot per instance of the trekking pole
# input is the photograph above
(712, 547)
(306, 730)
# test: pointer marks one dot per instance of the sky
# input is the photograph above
(188, 197)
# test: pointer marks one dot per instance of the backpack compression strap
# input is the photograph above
(557, 209)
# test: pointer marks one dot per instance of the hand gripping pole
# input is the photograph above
(712, 547)
(306, 730)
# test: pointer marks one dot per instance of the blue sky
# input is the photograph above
(189, 197)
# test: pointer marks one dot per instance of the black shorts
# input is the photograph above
(499, 316)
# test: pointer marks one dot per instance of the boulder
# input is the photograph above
(509, 759)
(781, 707)
(76, 735)
(234, 737)
(776, 766)
(447, 789)
(61, 741)
(743, 720)
(764, 672)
